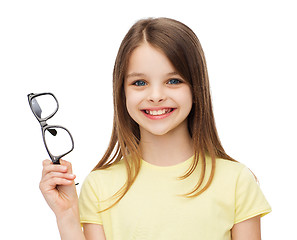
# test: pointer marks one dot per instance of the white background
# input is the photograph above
(69, 47)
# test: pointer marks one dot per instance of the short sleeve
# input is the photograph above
(89, 202)
(250, 200)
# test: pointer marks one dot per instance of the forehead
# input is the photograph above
(148, 60)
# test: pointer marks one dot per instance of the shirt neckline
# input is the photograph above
(178, 165)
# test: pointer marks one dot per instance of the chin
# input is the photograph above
(157, 132)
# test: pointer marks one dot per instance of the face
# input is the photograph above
(157, 97)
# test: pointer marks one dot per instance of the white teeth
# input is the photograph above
(156, 113)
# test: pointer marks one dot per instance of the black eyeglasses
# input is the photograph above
(57, 140)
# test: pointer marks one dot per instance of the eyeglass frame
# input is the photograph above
(45, 126)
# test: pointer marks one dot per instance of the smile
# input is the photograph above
(158, 114)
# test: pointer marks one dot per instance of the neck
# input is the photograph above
(169, 149)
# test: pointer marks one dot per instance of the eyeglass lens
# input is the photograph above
(59, 143)
(44, 105)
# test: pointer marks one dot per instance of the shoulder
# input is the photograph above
(114, 170)
(243, 185)
(233, 173)
(106, 180)
(229, 167)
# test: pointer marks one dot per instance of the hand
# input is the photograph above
(58, 188)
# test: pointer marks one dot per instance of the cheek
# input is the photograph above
(129, 105)
(186, 99)
(132, 101)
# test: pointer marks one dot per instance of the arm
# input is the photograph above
(247, 230)
(94, 231)
(58, 188)
(69, 227)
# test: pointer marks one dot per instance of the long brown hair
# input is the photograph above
(182, 47)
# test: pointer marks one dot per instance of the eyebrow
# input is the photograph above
(135, 74)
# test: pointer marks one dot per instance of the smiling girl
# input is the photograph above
(165, 174)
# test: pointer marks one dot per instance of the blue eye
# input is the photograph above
(174, 81)
(139, 83)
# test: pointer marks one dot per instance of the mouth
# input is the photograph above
(160, 113)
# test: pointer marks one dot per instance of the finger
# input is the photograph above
(46, 162)
(53, 168)
(68, 176)
(47, 180)
(67, 164)
(52, 183)
(48, 167)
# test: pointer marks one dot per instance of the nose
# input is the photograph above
(156, 94)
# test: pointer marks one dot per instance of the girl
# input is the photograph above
(165, 174)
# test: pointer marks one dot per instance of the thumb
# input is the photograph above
(67, 164)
